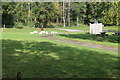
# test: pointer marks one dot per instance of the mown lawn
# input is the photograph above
(37, 57)
(86, 28)
(110, 40)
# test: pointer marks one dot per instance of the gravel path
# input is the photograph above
(84, 43)
(71, 30)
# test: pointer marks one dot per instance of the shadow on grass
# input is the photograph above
(19, 27)
(48, 60)
(109, 38)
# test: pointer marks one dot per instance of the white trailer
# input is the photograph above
(96, 28)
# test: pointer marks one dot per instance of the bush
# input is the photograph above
(19, 25)
(31, 24)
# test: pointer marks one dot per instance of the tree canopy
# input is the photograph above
(51, 13)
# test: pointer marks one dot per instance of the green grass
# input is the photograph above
(86, 28)
(82, 36)
(38, 57)
(109, 38)
(81, 27)
(112, 28)
(92, 41)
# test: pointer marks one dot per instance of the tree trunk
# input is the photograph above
(28, 12)
(87, 13)
(17, 19)
(25, 21)
(118, 17)
(69, 14)
(77, 21)
(63, 13)
(57, 20)
(35, 19)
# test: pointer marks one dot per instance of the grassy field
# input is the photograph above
(91, 41)
(81, 27)
(86, 28)
(37, 57)
(112, 28)
(109, 40)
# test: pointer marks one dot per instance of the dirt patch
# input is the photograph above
(83, 43)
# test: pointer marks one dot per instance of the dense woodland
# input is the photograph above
(59, 14)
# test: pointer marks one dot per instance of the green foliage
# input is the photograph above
(18, 25)
(52, 12)
(110, 15)
(30, 24)
(8, 14)
(78, 9)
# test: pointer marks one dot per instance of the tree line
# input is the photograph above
(60, 14)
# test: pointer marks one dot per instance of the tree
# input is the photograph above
(41, 13)
(78, 11)
(8, 13)
(64, 13)
(57, 11)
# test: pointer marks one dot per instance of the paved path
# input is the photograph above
(71, 30)
(84, 43)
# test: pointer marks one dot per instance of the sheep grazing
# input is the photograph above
(42, 32)
(35, 32)
(56, 32)
(52, 32)
(31, 33)
(46, 33)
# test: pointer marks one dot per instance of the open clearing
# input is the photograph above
(39, 57)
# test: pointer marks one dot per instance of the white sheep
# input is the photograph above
(42, 32)
(35, 32)
(52, 32)
(46, 33)
(31, 33)
(56, 32)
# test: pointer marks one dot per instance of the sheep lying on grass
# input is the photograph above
(45, 32)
